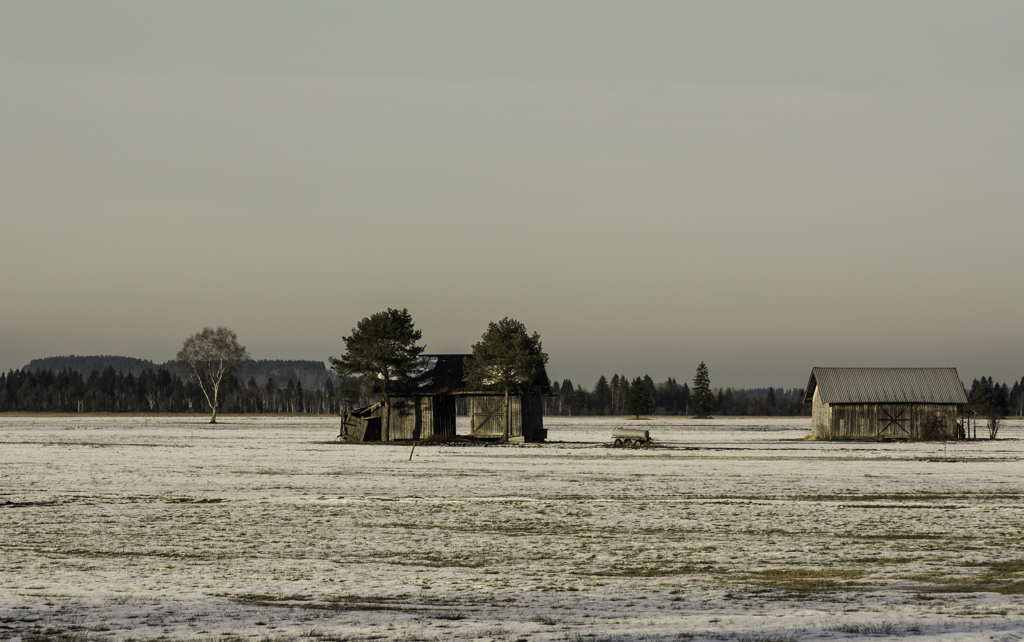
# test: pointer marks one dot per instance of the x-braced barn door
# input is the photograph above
(894, 421)
(488, 416)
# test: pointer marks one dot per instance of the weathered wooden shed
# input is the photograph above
(885, 403)
(427, 407)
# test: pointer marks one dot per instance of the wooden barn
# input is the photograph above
(885, 403)
(427, 407)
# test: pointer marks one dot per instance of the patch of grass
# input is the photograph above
(404, 602)
(1014, 588)
(76, 636)
(767, 637)
(196, 500)
(1003, 577)
(876, 628)
(266, 598)
(321, 636)
(639, 572)
(437, 561)
(25, 504)
(890, 536)
(804, 579)
(978, 586)
(184, 554)
(644, 571)
(1011, 566)
(883, 561)
(914, 497)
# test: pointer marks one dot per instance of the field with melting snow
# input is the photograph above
(264, 529)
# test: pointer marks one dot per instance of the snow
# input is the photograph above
(265, 529)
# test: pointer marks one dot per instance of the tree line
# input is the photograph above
(160, 391)
(311, 373)
(611, 397)
(992, 399)
(164, 391)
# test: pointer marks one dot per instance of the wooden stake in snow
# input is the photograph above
(412, 451)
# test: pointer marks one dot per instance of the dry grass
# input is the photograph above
(804, 579)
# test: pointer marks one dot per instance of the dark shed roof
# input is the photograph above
(441, 374)
(444, 374)
(886, 385)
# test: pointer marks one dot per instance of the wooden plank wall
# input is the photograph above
(487, 417)
(888, 421)
(412, 417)
(421, 417)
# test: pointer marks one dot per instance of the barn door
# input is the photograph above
(488, 416)
(894, 421)
(444, 415)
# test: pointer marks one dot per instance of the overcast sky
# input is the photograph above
(764, 186)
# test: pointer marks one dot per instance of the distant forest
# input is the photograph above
(311, 374)
(610, 397)
(124, 384)
(158, 390)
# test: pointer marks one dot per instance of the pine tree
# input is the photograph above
(507, 359)
(639, 398)
(772, 401)
(383, 350)
(702, 400)
(652, 394)
(579, 402)
(602, 397)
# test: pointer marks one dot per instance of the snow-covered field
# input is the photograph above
(263, 529)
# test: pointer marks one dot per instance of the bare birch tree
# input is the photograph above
(208, 357)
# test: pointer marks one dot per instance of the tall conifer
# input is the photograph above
(702, 401)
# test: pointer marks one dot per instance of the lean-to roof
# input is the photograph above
(886, 385)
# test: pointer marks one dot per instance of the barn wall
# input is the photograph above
(820, 417)
(515, 413)
(421, 417)
(900, 421)
(411, 417)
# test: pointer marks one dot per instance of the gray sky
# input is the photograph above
(765, 186)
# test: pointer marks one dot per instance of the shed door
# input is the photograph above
(488, 416)
(444, 415)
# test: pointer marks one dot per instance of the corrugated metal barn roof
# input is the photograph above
(887, 385)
